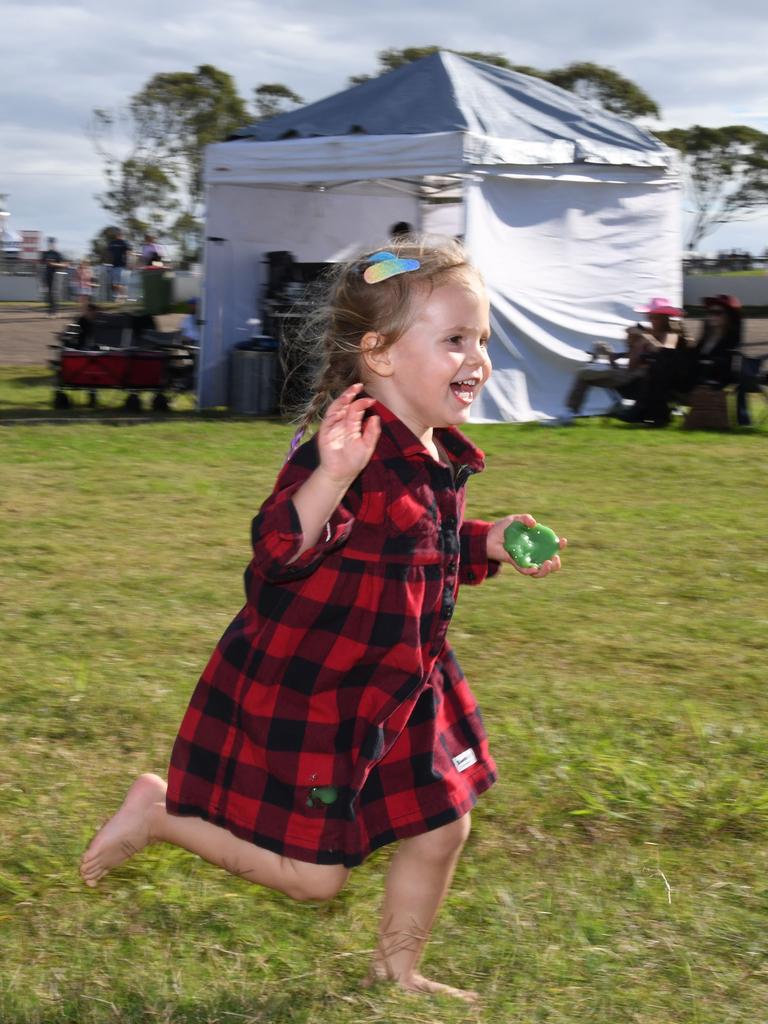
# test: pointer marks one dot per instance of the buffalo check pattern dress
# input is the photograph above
(333, 716)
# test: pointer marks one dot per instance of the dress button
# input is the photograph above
(451, 567)
(450, 522)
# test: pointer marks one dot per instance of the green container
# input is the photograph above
(156, 291)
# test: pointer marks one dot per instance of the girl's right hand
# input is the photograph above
(345, 446)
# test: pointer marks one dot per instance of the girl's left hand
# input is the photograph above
(497, 551)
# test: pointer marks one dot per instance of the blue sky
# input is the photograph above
(701, 60)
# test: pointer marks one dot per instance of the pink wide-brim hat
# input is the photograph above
(659, 307)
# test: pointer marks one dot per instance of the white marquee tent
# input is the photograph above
(572, 214)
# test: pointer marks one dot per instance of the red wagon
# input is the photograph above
(159, 364)
(130, 369)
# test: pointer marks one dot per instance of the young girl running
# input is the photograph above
(333, 717)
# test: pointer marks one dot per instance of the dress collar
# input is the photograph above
(399, 440)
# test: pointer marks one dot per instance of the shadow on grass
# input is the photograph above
(121, 417)
(27, 396)
(33, 382)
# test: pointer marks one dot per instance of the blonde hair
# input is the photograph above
(352, 308)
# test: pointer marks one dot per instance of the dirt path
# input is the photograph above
(25, 335)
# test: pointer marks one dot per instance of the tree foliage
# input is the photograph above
(727, 173)
(393, 58)
(599, 84)
(139, 192)
(273, 98)
(179, 113)
(606, 87)
(168, 123)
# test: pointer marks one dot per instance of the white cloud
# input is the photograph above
(700, 60)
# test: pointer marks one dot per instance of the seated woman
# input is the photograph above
(711, 359)
(709, 362)
(642, 346)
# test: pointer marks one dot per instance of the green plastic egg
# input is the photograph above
(529, 546)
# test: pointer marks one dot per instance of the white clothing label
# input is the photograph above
(465, 759)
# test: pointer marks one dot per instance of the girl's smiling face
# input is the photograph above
(431, 375)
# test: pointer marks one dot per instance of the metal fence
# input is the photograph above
(724, 263)
(26, 271)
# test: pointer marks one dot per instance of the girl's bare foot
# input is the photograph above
(419, 985)
(125, 833)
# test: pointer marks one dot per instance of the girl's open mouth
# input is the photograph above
(465, 390)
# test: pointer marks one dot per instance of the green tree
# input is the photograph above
(139, 193)
(602, 85)
(186, 233)
(98, 251)
(168, 123)
(606, 87)
(273, 98)
(393, 58)
(726, 171)
(179, 113)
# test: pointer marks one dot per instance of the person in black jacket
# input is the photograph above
(117, 255)
(51, 261)
(710, 361)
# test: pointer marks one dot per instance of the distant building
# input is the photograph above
(31, 245)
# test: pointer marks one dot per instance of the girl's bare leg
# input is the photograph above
(418, 879)
(143, 819)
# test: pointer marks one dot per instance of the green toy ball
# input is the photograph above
(529, 546)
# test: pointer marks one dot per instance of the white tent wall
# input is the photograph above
(444, 219)
(567, 255)
(245, 222)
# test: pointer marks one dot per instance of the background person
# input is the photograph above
(641, 344)
(710, 362)
(83, 285)
(400, 231)
(117, 256)
(51, 261)
(711, 359)
(151, 252)
(189, 327)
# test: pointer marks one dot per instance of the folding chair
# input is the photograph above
(708, 409)
(753, 380)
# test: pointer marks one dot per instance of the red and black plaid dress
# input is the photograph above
(333, 716)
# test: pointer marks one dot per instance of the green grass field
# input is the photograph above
(617, 873)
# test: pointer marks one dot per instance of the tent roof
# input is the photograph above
(445, 92)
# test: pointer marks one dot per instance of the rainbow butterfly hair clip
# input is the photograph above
(386, 264)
